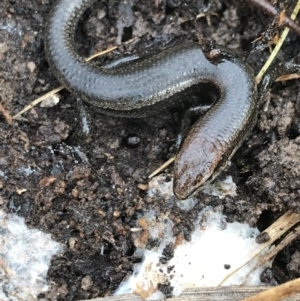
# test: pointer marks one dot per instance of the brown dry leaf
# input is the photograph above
(47, 181)
(288, 77)
(275, 39)
(281, 18)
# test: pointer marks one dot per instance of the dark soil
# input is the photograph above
(83, 187)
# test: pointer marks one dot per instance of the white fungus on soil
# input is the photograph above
(25, 256)
(216, 250)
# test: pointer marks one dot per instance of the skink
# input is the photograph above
(159, 81)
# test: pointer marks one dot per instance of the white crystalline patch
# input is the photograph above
(25, 256)
(202, 262)
(216, 249)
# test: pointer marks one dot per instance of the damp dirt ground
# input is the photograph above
(87, 189)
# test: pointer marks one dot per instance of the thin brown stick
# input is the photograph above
(278, 293)
(270, 10)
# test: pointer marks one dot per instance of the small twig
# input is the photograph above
(38, 100)
(272, 56)
(278, 293)
(108, 50)
(269, 9)
(162, 167)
